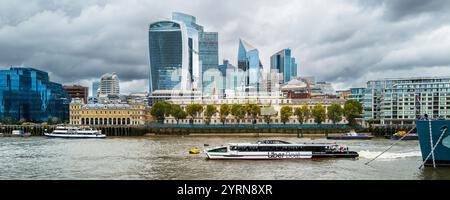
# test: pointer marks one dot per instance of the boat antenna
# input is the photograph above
(392, 145)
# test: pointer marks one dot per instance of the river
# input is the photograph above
(168, 158)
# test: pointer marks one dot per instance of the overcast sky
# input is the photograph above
(344, 42)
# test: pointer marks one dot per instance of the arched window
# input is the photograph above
(110, 121)
(128, 121)
(114, 121)
(82, 120)
(96, 121)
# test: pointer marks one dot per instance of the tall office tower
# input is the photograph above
(249, 62)
(284, 63)
(209, 50)
(109, 84)
(179, 50)
(28, 94)
(95, 86)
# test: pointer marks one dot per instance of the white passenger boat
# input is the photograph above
(277, 149)
(75, 132)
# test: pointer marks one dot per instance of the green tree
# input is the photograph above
(22, 121)
(160, 110)
(210, 111)
(7, 120)
(335, 113)
(238, 111)
(352, 110)
(193, 110)
(53, 120)
(302, 113)
(373, 121)
(254, 111)
(286, 113)
(178, 113)
(224, 111)
(318, 113)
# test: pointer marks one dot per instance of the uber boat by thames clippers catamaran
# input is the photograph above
(277, 149)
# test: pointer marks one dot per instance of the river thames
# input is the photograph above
(168, 158)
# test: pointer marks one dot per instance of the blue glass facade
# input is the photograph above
(180, 51)
(249, 62)
(209, 50)
(357, 94)
(166, 55)
(27, 93)
(284, 63)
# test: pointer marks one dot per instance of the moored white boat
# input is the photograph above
(75, 132)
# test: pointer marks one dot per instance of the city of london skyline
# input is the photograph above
(87, 39)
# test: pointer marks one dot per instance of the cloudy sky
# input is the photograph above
(344, 42)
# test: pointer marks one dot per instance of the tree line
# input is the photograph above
(351, 110)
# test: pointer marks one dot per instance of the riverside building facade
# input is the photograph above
(28, 94)
(402, 100)
(265, 102)
(133, 114)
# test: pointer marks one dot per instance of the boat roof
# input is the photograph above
(290, 144)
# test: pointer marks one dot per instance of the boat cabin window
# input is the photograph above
(279, 148)
(222, 149)
(272, 142)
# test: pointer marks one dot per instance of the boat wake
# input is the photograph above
(388, 155)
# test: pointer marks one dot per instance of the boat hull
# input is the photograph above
(74, 135)
(11, 135)
(441, 152)
(346, 137)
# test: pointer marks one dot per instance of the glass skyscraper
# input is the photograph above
(168, 55)
(27, 93)
(249, 62)
(209, 51)
(283, 62)
(179, 53)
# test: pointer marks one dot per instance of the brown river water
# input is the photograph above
(168, 158)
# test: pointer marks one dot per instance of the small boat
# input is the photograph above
(16, 133)
(400, 134)
(194, 151)
(352, 135)
(75, 132)
(278, 150)
(20, 133)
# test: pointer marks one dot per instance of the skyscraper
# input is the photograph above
(179, 53)
(283, 62)
(27, 93)
(249, 62)
(169, 56)
(95, 86)
(109, 84)
(209, 51)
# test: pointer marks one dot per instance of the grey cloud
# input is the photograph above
(396, 10)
